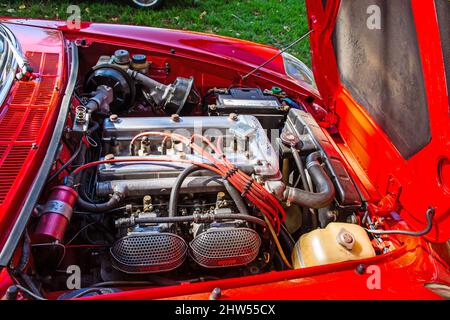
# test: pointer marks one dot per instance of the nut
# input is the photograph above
(220, 196)
(114, 117)
(175, 117)
(216, 293)
(147, 199)
(289, 138)
(109, 156)
(360, 268)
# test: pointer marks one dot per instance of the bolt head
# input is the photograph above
(109, 156)
(360, 269)
(289, 138)
(175, 117)
(216, 293)
(113, 117)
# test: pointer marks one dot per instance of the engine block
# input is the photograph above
(242, 139)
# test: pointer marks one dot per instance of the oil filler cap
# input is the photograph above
(345, 239)
(121, 56)
(139, 58)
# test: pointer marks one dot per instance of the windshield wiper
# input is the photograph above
(25, 71)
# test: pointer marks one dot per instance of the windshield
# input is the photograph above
(7, 63)
(296, 69)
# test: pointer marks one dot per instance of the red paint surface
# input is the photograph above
(376, 163)
(369, 155)
(403, 274)
(27, 118)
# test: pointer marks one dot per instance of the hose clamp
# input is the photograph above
(59, 207)
(312, 163)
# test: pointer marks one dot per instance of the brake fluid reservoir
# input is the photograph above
(336, 243)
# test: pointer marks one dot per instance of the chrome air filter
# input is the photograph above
(225, 247)
(148, 252)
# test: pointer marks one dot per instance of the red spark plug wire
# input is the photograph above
(249, 188)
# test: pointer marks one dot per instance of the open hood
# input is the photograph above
(28, 118)
(383, 68)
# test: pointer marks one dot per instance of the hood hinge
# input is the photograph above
(389, 202)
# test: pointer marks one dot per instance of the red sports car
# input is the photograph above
(144, 163)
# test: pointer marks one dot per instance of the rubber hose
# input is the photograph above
(100, 207)
(301, 169)
(236, 196)
(325, 189)
(173, 200)
(93, 128)
(429, 216)
(68, 163)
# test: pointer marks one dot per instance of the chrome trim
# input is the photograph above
(41, 177)
(15, 46)
(8, 81)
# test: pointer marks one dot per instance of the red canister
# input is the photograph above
(56, 215)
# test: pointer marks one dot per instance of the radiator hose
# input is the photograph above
(324, 194)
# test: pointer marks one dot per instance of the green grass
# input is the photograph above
(272, 22)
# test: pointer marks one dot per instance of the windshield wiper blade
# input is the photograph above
(25, 71)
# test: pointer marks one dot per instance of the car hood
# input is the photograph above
(384, 77)
(27, 121)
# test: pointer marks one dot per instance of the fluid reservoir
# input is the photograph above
(139, 63)
(336, 243)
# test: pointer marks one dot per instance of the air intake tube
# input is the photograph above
(324, 194)
(172, 96)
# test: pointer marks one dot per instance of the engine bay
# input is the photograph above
(159, 184)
